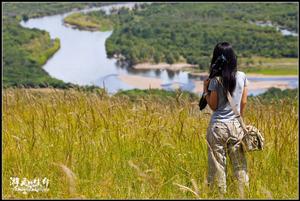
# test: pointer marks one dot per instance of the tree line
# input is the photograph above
(168, 32)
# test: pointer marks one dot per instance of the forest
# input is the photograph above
(168, 32)
(24, 53)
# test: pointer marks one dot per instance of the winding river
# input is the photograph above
(82, 59)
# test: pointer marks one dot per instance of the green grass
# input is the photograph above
(119, 148)
(272, 71)
(156, 94)
(42, 48)
(277, 94)
(83, 21)
(269, 66)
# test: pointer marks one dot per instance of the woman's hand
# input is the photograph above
(205, 85)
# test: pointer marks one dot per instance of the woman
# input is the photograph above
(224, 125)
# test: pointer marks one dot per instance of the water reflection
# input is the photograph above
(176, 85)
(197, 77)
(157, 72)
(112, 83)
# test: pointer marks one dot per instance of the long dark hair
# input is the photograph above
(228, 67)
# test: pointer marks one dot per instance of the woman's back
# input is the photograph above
(224, 128)
(224, 112)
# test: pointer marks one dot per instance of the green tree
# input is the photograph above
(25, 17)
(157, 57)
(170, 58)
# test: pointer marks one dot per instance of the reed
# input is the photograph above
(119, 148)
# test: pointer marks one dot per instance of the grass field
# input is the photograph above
(81, 21)
(269, 66)
(262, 65)
(90, 145)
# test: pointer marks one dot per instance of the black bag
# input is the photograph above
(216, 71)
(202, 103)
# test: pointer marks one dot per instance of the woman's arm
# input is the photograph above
(244, 100)
(211, 97)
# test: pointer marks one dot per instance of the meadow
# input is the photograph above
(269, 66)
(91, 145)
(82, 22)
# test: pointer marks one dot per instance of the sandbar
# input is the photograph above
(141, 82)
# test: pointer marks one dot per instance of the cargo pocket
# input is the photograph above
(220, 132)
(238, 130)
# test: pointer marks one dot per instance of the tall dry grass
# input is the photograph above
(90, 145)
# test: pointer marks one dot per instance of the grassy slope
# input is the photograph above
(117, 148)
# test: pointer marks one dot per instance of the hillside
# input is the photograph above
(26, 50)
(24, 53)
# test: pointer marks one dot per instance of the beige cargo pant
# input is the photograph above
(221, 138)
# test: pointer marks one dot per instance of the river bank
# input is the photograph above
(76, 26)
(252, 75)
(81, 22)
(254, 85)
(141, 82)
(174, 67)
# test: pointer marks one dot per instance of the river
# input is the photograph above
(82, 59)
